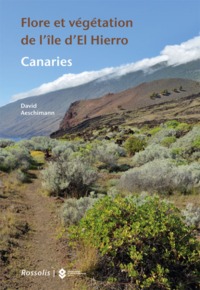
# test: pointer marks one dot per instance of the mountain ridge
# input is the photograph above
(13, 124)
(185, 109)
(134, 98)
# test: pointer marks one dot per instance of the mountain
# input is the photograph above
(153, 102)
(185, 109)
(13, 124)
(144, 95)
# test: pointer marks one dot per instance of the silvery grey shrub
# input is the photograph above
(74, 209)
(186, 141)
(6, 142)
(14, 158)
(68, 173)
(39, 143)
(192, 215)
(59, 149)
(162, 176)
(21, 176)
(151, 153)
(107, 152)
(160, 135)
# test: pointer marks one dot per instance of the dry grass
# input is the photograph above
(7, 224)
(86, 258)
(182, 200)
(12, 224)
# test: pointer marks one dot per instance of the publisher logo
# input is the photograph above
(62, 273)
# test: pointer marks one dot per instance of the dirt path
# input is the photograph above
(41, 250)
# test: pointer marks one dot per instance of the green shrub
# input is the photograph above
(161, 134)
(183, 127)
(180, 127)
(142, 241)
(165, 92)
(172, 124)
(134, 144)
(196, 143)
(154, 130)
(167, 141)
(154, 96)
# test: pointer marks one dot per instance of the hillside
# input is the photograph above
(13, 124)
(135, 105)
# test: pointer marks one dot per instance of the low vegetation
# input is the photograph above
(118, 235)
(141, 240)
(165, 93)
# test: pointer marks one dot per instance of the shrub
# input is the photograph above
(141, 241)
(59, 149)
(196, 143)
(22, 176)
(74, 209)
(39, 143)
(195, 156)
(172, 124)
(160, 135)
(134, 144)
(26, 144)
(68, 175)
(165, 92)
(154, 130)
(7, 160)
(162, 176)
(5, 143)
(106, 152)
(183, 127)
(167, 141)
(42, 143)
(12, 158)
(192, 215)
(154, 96)
(188, 141)
(151, 153)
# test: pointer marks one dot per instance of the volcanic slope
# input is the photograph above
(155, 101)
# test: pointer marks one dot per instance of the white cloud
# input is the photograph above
(172, 54)
(183, 53)
(65, 81)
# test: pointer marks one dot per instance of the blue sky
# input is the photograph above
(157, 23)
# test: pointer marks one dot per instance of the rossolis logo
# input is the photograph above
(35, 273)
(53, 273)
(61, 273)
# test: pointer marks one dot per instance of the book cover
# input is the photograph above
(99, 144)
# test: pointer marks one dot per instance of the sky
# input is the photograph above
(162, 30)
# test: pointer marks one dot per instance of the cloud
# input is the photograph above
(65, 81)
(183, 53)
(172, 54)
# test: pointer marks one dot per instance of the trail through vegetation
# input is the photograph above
(39, 249)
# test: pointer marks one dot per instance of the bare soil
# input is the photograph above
(39, 249)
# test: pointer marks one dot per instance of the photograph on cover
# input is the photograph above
(99, 144)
